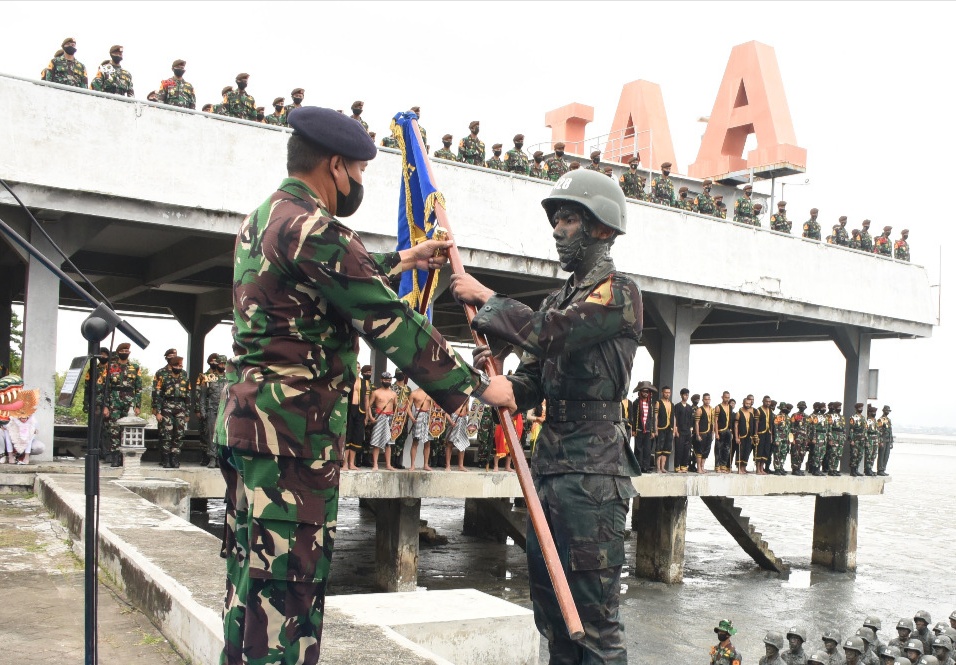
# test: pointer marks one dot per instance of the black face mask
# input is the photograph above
(260, 116)
(447, 145)
(559, 153)
(177, 370)
(116, 59)
(179, 72)
(633, 167)
(519, 145)
(123, 356)
(69, 50)
(278, 108)
(497, 153)
(366, 376)
(347, 204)
(297, 100)
(242, 84)
(356, 111)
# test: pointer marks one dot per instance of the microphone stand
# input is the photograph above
(95, 328)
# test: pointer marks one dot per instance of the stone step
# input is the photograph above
(738, 526)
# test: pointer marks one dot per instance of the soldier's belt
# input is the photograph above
(566, 410)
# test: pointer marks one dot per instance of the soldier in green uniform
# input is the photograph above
(357, 108)
(220, 108)
(721, 211)
(516, 161)
(799, 424)
(883, 245)
(556, 166)
(125, 393)
(66, 69)
(496, 163)
(208, 391)
(744, 207)
(836, 438)
(832, 238)
(261, 114)
(885, 426)
(662, 187)
(857, 437)
(176, 91)
(297, 94)
(872, 446)
(724, 653)
(842, 236)
(390, 141)
(171, 396)
(537, 169)
(445, 152)
(782, 435)
(758, 209)
(418, 111)
(278, 117)
(238, 103)
(111, 77)
(811, 227)
(779, 221)
(281, 426)
(632, 182)
(901, 248)
(471, 149)
(595, 164)
(683, 202)
(866, 240)
(578, 349)
(704, 202)
(819, 427)
(855, 239)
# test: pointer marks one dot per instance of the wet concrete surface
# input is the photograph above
(905, 563)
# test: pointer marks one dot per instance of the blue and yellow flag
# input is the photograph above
(416, 212)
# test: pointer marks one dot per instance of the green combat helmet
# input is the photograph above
(914, 645)
(928, 660)
(774, 639)
(596, 192)
(819, 658)
(867, 634)
(874, 623)
(855, 644)
(796, 631)
(832, 636)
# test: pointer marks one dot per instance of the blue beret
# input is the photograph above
(334, 131)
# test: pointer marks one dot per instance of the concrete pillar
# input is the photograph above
(6, 302)
(834, 532)
(659, 525)
(396, 543)
(855, 347)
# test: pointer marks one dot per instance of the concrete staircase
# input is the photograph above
(738, 525)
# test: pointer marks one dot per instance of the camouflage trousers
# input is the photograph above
(119, 407)
(172, 429)
(857, 450)
(586, 514)
(781, 448)
(870, 451)
(278, 538)
(798, 451)
(205, 443)
(835, 452)
(819, 452)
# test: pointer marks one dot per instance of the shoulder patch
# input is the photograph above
(602, 293)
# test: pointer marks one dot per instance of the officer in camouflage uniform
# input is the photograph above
(471, 150)
(609, 172)
(662, 187)
(496, 163)
(724, 653)
(282, 422)
(885, 426)
(171, 396)
(811, 227)
(297, 94)
(857, 438)
(721, 212)
(836, 439)
(704, 202)
(684, 203)
(595, 164)
(871, 450)
(842, 237)
(758, 209)
(632, 182)
(220, 108)
(357, 108)
(855, 240)
(516, 161)
(883, 245)
(65, 69)
(556, 166)
(578, 348)
(278, 117)
(111, 77)
(238, 103)
(207, 395)
(799, 427)
(175, 91)
(866, 240)
(444, 153)
(125, 392)
(901, 248)
(818, 438)
(537, 169)
(744, 207)
(779, 221)
(781, 439)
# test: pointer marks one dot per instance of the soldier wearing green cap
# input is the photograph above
(111, 77)
(496, 163)
(65, 69)
(239, 103)
(471, 149)
(556, 166)
(208, 390)
(662, 187)
(725, 653)
(632, 182)
(176, 91)
(444, 153)
(516, 161)
(744, 207)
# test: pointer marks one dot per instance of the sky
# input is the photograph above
(863, 83)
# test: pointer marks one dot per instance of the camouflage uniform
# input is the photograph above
(177, 92)
(486, 438)
(857, 441)
(594, 167)
(280, 119)
(579, 346)
(799, 427)
(471, 150)
(811, 229)
(517, 161)
(239, 104)
(304, 286)
(872, 446)
(555, 167)
(744, 211)
(704, 203)
(208, 395)
(662, 191)
(842, 236)
(818, 442)
(901, 250)
(632, 183)
(781, 440)
(684, 203)
(496, 163)
(883, 246)
(444, 153)
(779, 222)
(885, 426)
(866, 240)
(725, 654)
(126, 392)
(391, 142)
(536, 170)
(66, 72)
(836, 438)
(120, 82)
(171, 394)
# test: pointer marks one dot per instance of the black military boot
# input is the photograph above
(165, 461)
(869, 472)
(817, 472)
(174, 461)
(204, 460)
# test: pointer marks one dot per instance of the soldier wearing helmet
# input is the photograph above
(853, 649)
(943, 649)
(773, 644)
(874, 624)
(869, 642)
(589, 329)
(832, 640)
(922, 619)
(913, 649)
(904, 630)
(888, 655)
(795, 655)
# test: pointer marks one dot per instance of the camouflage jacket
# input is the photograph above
(67, 72)
(885, 426)
(170, 389)
(662, 190)
(704, 204)
(536, 170)
(858, 427)
(496, 163)
(866, 241)
(837, 426)
(872, 431)
(725, 654)
(304, 289)
(208, 393)
(239, 104)
(516, 161)
(632, 183)
(720, 213)
(781, 428)
(555, 167)
(799, 423)
(901, 250)
(279, 119)
(471, 150)
(684, 204)
(842, 236)
(440, 154)
(390, 142)
(744, 211)
(594, 167)
(126, 383)
(820, 426)
(120, 82)
(779, 222)
(177, 92)
(811, 229)
(358, 119)
(854, 244)
(424, 134)
(579, 345)
(882, 246)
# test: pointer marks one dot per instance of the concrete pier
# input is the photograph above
(396, 547)
(834, 532)
(659, 525)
